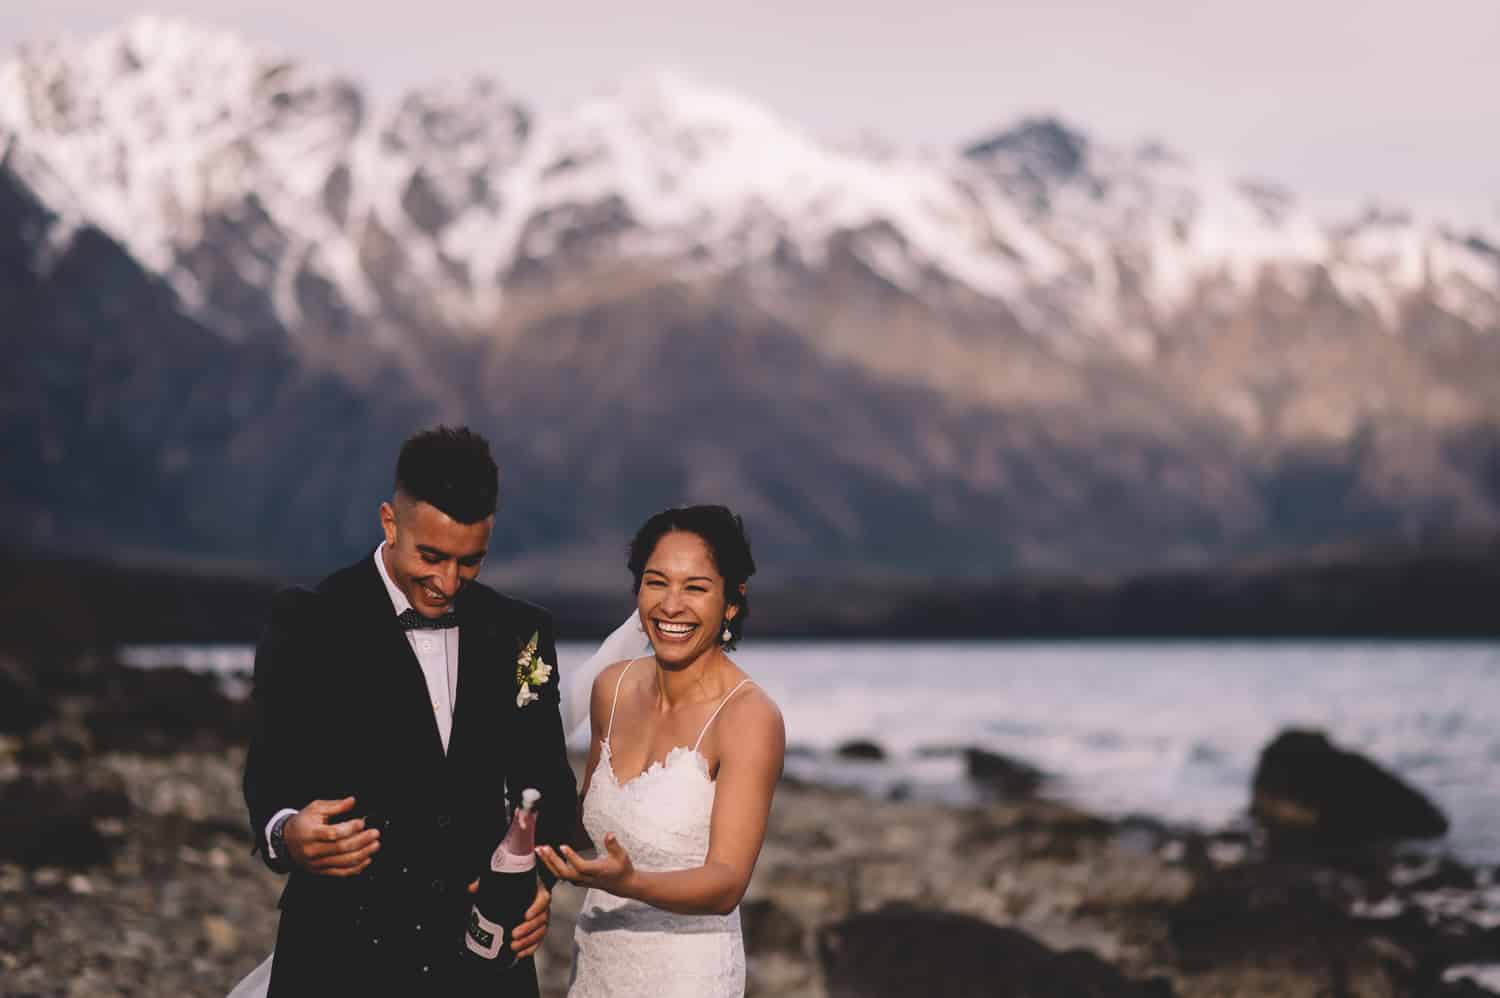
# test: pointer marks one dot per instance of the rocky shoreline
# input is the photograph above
(125, 870)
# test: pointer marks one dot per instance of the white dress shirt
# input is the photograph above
(437, 654)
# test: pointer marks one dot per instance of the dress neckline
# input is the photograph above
(607, 756)
(661, 764)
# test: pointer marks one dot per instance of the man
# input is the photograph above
(388, 731)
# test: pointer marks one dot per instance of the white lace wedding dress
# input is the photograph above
(628, 949)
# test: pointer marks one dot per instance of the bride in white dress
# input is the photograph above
(685, 752)
(684, 757)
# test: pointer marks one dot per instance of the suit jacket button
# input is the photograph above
(437, 885)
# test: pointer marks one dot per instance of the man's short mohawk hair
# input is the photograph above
(450, 468)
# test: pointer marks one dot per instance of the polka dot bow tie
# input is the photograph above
(411, 620)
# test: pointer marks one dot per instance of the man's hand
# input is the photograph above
(320, 845)
(527, 937)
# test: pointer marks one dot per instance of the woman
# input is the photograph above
(684, 757)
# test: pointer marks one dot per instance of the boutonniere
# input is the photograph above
(530, 671)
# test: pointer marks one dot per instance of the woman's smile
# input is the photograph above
(674, 630)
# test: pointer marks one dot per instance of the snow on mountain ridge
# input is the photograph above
(709, 169)
(1173, 223)
(161, 126)
(159, 122)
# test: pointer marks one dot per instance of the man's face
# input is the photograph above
(431, 556)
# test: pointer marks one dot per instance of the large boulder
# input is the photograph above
(1306, 791)
(905, 952)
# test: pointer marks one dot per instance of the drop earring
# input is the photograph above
(728, 635)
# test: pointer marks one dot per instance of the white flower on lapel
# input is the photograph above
(530, 671)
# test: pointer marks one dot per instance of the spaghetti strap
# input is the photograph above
(716, 713)
(609, 729)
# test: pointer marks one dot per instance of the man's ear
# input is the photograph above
(388, 522)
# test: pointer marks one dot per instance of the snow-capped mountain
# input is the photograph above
(161, 127)
(1044, 318)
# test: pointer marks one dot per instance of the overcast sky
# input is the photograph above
(1341, 100)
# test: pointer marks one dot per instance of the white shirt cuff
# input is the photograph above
(270, 849)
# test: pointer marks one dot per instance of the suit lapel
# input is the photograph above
(485, 662)
(399, 667)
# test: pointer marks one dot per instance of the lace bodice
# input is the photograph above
(655, 814)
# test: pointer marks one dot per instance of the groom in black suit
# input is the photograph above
(390, 724)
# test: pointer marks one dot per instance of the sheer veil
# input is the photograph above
(626, 641)
(256, 983)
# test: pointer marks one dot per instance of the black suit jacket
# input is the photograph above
(342, 710)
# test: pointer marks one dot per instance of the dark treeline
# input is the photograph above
(1449, 589)
(1447, 594)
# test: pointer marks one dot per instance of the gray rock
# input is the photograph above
(862, 749)
(905, 952)
(1010, 777)
(1307, 792)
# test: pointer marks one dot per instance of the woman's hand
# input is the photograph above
(612, 872)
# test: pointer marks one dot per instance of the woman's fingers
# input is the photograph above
(558, 864)
(586, 867)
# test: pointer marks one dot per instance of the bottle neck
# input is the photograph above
(521, 838)
(516, 853)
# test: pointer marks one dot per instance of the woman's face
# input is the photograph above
(681, 599)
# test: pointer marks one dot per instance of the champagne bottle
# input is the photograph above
(507, 888)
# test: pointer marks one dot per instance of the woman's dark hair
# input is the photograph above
(450, 468)
(728, 545)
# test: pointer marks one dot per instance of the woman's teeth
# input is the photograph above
(675, 630)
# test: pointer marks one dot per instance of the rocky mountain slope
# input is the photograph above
(236, 280)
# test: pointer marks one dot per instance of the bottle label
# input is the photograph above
(484, 937)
